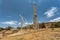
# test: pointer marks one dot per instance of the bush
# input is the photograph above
(42, 25)
(8, 28)
(18, 28)
(1, 29)
(56, 25)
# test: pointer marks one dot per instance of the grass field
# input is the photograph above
(41, 34)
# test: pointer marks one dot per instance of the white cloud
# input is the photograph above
(51, 12)
(55, 20)
(9, 22)
(19, 23)
(25, 24)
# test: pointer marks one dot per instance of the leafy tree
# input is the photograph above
(53, 26)
(42, 25)
(1, 29)
(18, 28)
(57, 24)
(8, 28)
(31, 27)
(24, 27)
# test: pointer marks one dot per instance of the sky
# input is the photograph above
(12, 10)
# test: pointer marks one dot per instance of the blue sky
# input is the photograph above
(47, 11)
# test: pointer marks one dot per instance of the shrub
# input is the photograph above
(18, 28)
(8, 28)
(1, 29)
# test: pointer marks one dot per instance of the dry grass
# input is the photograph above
(42, 34)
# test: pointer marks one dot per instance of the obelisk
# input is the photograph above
(35, 17)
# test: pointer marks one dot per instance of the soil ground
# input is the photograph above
(41, 34)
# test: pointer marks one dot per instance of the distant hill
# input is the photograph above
(39, 26)
(44, 25)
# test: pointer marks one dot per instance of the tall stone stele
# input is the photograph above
(35, 17)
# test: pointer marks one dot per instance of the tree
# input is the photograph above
(8, 28)
(57, 24)
(25, 27)
(42, 25)
(53, 26)
(1, 29)
(18, 28)
(31, 27)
